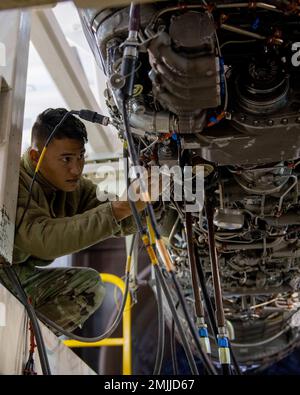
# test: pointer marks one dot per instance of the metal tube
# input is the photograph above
(295, 183)
(214, 265)
(254, 246)
(134, 17)
(250, 5)
(192, 263)
(241, 31)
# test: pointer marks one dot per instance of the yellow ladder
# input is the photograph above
(124, 341)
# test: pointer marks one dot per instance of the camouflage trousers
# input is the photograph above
(67, 296)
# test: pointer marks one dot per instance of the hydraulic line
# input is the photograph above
(199, 310)
(161, 330)
(207, 363)
(161, 319)
(223, 341)
(210, 309)
(178, 323)
(214, 266)
(173, 348)
(206, 297)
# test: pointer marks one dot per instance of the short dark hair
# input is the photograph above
(71, 128)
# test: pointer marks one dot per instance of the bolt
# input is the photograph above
(298, 119)
(270, 122)
(255, 122)
(284, 121)
(243, 117)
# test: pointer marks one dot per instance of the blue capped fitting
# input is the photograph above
(223, 342)
(213, 119)
(203, 332)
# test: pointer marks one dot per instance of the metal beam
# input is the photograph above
(5, 4)
(67, 72)
(14, 39)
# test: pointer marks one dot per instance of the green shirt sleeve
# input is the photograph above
(47, 238)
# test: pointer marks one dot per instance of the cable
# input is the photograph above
(207, 363)
(161, 330)
(185, 343)
(13, 277)
(161, 318)
(173, 347)
(199, 311)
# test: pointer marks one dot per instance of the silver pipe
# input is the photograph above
(255, 246)
(260, 343)
(153, 122)
(173, 230)
(287, 191)
(221, 194)
(148, 30)
(283, 220)
(264, 6)
(286, 254)
(149, 27)
(241, 31)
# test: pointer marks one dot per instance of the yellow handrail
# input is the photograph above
(124, 341)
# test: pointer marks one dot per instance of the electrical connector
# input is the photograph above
(92, 116)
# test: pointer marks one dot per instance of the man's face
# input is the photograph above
(63, 163)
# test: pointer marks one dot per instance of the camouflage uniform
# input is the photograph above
(58, 223)
(67, 296)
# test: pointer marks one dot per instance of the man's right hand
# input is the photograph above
(121, 208)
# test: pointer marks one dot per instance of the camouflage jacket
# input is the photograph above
(59, 223)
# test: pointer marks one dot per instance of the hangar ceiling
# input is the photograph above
(5, 4)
